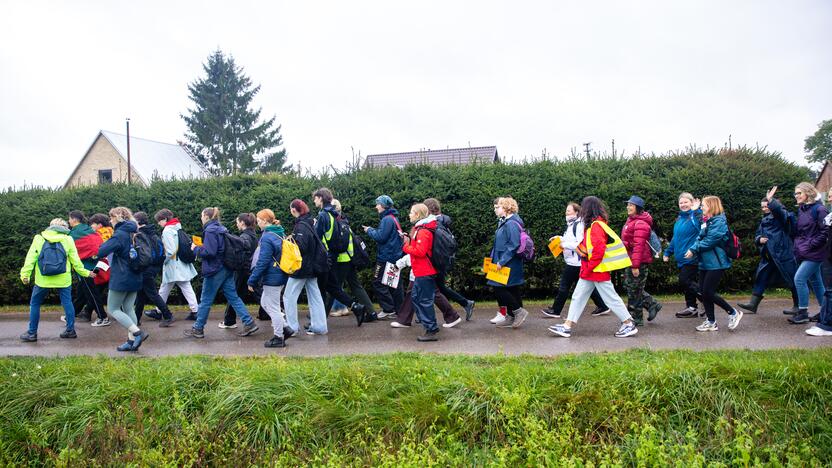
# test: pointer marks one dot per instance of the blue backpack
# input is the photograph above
(52, 259)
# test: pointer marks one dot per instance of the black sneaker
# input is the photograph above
(194, 333)
(815, 318)
(249, 329)
(289, 333)
(275, 342)
(165, 323)
(549, 313)
(29, 337)
(429, 336)
(83, 317)
(793, 311)
(653, 310)
(799, 318)
(469, 311)
(153, 314)
(69, 334)
(191, 317)
(358, 310)
(688, 312)
(599, 312)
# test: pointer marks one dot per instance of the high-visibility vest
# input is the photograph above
(615, 257)
(345, 257)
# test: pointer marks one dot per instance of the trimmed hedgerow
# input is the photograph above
(542, 189)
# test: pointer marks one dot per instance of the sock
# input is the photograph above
(503, 310)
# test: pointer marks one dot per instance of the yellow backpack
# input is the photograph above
(290, 258)
(615, 257)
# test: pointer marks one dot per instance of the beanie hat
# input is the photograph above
(384, 201)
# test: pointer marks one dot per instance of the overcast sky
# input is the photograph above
(394, 76)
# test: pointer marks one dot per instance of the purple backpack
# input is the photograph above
(526, 249)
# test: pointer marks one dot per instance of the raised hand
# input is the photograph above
(771, 193)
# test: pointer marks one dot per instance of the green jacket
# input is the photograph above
(64, 280)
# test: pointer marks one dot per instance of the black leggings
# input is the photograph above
(448, 292)
(688, 283)
(708, 282)
(568, 279)
(509, 297)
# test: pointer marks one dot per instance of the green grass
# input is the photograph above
(635, 408)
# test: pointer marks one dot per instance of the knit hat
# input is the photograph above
(384, 201)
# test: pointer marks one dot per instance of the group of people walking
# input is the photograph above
(124, 252)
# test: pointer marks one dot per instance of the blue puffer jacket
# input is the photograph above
(710, 246)
(387, 236)
(122, 278)
(267, 268)
(504, 252)
(685, 232)
(212, 248)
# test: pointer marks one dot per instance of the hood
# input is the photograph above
(330, 209)
(148, 229)
(173, 222)
(389, 211)
(55, 234)
(81, 230)
(643, 216)
(127, 226)
(426, 222)
(276, 229)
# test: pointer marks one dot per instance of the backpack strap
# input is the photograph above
(399, 226)
(575, 229)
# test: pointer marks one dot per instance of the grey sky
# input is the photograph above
(395, 76)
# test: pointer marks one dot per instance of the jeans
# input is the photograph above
(388, 298)
(271, 302)
(808, 272)
(509, 297)
(568, 280)
(405, 314)
(241, 284)
(708, 283)
(424, 288)
(317, 313)
(38, 295)
(223, 281)
(689, 282)
(581, 295)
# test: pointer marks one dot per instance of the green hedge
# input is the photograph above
(542, 189)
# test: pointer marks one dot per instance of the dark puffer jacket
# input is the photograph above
(810, 239)
(636, 234)
(122, 277)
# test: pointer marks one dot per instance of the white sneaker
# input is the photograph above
(223, 325)
(105, 322)
(734, 320)
(398, 325)
(452, 324)
(340, 312)
(707, 326)
(499, 318)
(63, 318)
(385, 315)
(817, 331)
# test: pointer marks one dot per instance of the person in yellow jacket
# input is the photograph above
(52, 256)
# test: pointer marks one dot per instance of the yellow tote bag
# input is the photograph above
(290, 259)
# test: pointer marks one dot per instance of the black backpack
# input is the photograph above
(183, 251)
(236, 253)
(360, 256)
(443, 252)
(733, 247)
(144, 247)
(340, 240)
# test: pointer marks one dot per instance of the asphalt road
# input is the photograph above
(765, 330)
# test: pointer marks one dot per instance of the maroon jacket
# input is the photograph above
(636, 235)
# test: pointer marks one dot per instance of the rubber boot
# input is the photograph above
(752, 305)
(794, 308)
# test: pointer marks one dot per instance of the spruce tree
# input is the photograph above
(224, 132)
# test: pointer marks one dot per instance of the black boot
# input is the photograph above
(794, 308)
(802, 316)
(752, 305)
(359, 312)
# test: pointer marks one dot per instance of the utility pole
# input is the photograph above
(729, 142)
(129, 170)
(586, 148)
(613, 147)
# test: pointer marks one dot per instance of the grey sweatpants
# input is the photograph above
(270, 300)
(121, 305)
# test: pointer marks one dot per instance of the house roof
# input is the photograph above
(153, 159)
(445, 156)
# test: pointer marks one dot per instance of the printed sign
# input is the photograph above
(493, 274)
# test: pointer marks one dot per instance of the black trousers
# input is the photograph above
(708, 283)
(149, 294)
(345, 271)
(241, 286)
(688, 281)
(449, 293)
(330, 285)
(87, 298)
(568, 279)
(509, 297)
(390, 299)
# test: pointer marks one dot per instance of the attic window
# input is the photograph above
(105, 176)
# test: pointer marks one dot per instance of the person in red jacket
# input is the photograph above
(636, 237)
(595, 219)
(419, 245)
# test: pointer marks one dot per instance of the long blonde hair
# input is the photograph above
(714, 205)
